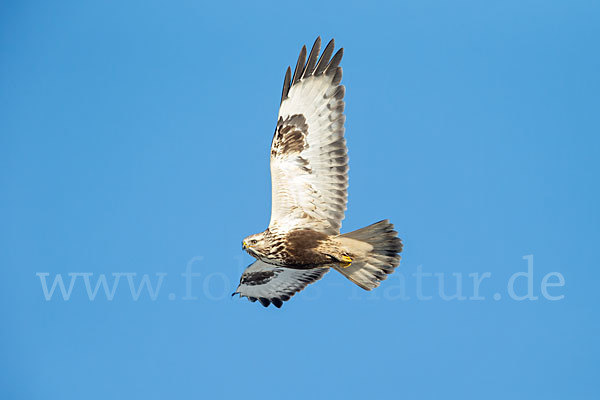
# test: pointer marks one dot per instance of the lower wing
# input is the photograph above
(274, 284)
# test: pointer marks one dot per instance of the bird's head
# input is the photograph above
(255, 244)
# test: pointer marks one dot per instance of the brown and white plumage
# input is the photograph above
(309, 179)
(309, 165)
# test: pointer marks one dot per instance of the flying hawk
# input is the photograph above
(309, 179)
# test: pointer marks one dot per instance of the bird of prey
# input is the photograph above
(309, 180)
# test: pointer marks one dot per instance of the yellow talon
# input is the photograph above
(346, 261)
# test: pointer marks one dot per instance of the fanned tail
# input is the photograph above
(374, 251)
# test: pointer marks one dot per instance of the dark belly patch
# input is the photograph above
(302, 247)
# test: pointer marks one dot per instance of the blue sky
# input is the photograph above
(134, 139)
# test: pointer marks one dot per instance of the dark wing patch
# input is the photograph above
(271, 284)
(258, 278)
(290, 136)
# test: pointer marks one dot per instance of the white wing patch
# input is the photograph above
(272, 284)
(309, 162)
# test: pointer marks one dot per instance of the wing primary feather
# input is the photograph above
(312, 58)
(324, 60)
(337, 78)
(286, 84)
(299, 66)
(277, 302)
(335, 62)
(264, 301)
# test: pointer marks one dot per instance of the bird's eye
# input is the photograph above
(253, 241)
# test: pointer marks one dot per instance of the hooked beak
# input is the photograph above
(244, 245)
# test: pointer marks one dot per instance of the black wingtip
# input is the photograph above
(300, 64)
(286, 84)
(307, 67)
(265, 302)
(277, 302)
(324, 60)
(312, 58)
(335, 62)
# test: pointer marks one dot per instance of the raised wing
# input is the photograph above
(272, 284)
(309, 165)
